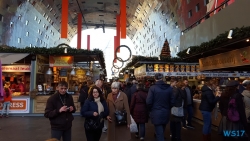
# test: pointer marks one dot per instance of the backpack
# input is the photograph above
(232, 111)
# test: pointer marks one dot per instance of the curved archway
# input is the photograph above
(104, 42)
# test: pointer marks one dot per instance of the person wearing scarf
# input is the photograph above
(95, 108)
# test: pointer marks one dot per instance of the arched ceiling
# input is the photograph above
(97, 13)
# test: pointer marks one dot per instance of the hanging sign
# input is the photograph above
(16, 68)
(61, 61)
(238, 57)
(199, 73)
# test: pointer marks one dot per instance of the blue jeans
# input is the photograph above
(159, 131)
(189, 112)
(142, 129)
(207, 122)
(6, 105)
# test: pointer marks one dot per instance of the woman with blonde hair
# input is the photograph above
(208, 102)
(118, 101)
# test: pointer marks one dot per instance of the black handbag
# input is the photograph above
(93, 124)
(121, 117)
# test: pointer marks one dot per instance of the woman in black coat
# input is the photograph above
(226, 125)
(94, 109)
(208, 102)
(180, 101)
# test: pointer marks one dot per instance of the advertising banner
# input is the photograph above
(16, 68)
(18, 105)
(238, 57)
(61, 61)
(199, 73)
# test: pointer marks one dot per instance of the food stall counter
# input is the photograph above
(41, 100)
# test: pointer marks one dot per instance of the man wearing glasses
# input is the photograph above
(59, 109)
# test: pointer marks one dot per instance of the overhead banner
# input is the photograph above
(16, 68)
(61, 61)
(199, 73)
(238, 57)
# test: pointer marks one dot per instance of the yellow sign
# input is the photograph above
(61, 61)
(238, 57)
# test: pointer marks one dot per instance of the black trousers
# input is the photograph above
(65, 134)
(93, 135)
(175, 128)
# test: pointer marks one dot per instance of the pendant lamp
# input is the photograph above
(73, 72)
(49, 72)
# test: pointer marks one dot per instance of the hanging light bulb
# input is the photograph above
(88, 73)
(65, 50)
(49, 72)
(230, 34)
(73, 72)
(188, 51)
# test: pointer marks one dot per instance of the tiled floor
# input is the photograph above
(38, 129)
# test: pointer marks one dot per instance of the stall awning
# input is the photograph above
(8, 58)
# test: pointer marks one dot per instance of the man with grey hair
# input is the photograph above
(159, 101)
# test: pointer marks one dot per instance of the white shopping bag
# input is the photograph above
(133, 126)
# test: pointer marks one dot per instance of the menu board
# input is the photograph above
(63, 72)
(177, 68)
(149, 68)
(156, 67)
(161, 68)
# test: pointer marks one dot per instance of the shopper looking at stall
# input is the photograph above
(189, 108)
(208, 102)
(59, 109)
(246, 94)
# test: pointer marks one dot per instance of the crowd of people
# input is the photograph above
(112, 108)
(161, 102)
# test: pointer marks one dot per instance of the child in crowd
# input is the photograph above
(6, 101)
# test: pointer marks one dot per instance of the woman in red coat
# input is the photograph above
(138, 109)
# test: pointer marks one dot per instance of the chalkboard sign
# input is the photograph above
(63, 72)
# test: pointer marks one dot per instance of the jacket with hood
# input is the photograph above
(246, 94)
(208, 100)
(159, 101)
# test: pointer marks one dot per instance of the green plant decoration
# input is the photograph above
(220, 40)
(53, 51)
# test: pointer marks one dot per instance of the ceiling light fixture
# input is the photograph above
(188, 50)
(49, 72)
(230, 33)
(65, 50)
(73, 72)
(247, 40)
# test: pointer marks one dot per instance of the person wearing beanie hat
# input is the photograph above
(159, 101)
(246, 94)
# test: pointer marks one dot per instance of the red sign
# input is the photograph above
(61, 61)
(16, 68)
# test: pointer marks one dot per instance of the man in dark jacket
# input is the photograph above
(159, 101)
(127, 90)
(59, 109)
(189, 108)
